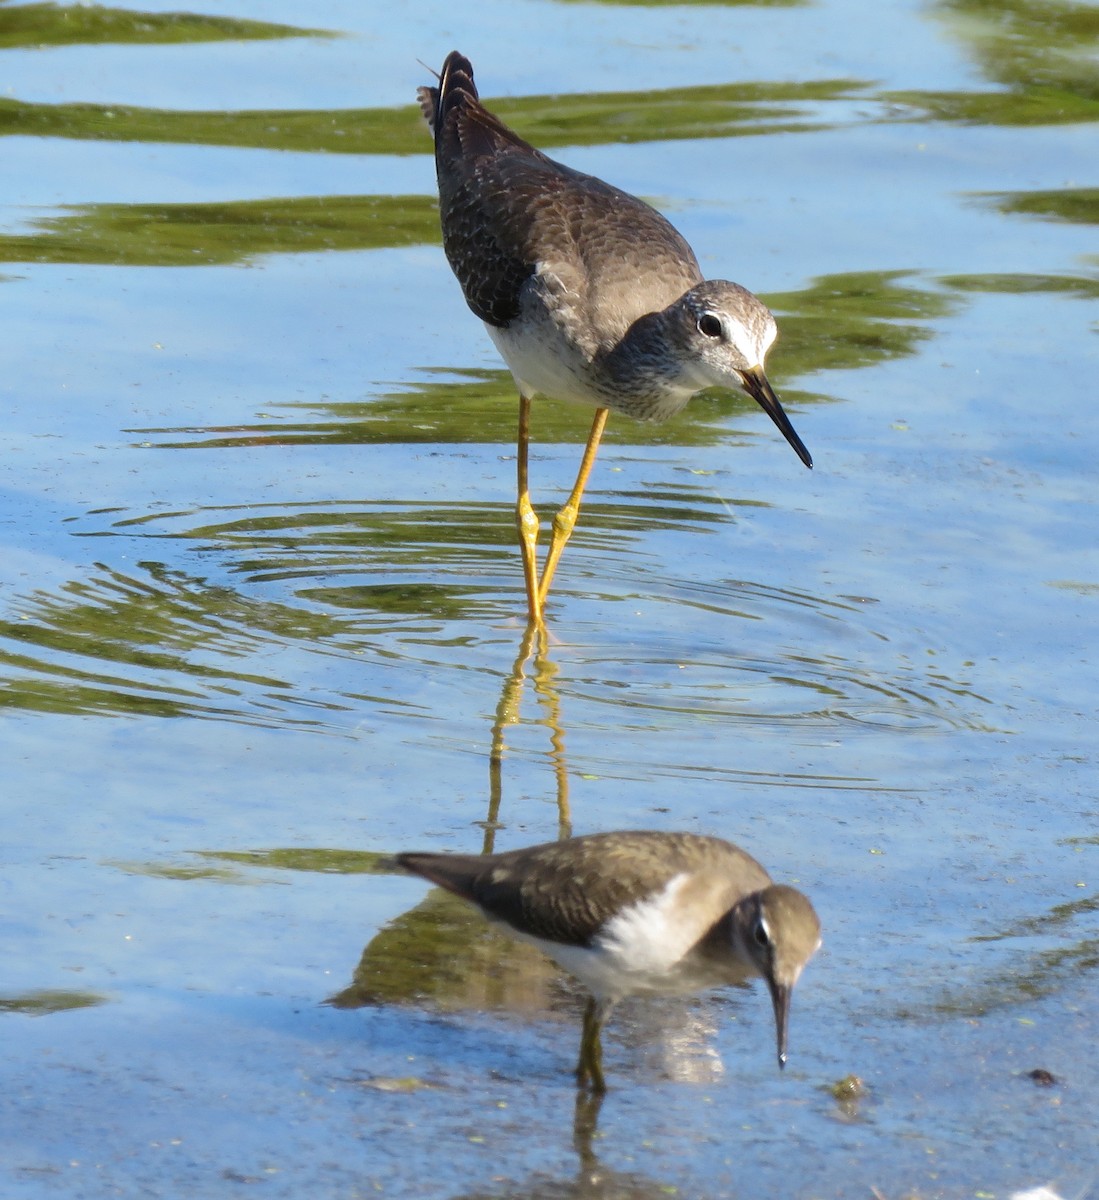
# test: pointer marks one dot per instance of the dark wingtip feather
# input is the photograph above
(407, 861)
(450, 871)
(456, 85)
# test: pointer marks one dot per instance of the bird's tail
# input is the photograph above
(456, 88)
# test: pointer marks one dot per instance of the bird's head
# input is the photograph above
(778, 931)
(723, 333)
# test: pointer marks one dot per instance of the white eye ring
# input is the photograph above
(709, 325)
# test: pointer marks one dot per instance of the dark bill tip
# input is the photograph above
(780, 999)
(758, 387)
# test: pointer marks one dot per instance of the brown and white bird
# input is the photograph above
(640, 913)
(589, 294)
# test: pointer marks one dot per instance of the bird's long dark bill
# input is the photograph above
(756, 385)
(780, 998)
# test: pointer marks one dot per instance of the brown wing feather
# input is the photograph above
(508, 211)
(567, 891)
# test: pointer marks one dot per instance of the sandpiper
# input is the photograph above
(589, 294)
(640, 913)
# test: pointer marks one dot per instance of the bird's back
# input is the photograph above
(568, 891)
(510, 213)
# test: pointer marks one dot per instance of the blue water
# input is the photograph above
(261, 605)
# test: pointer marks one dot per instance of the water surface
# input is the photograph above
(261, 607)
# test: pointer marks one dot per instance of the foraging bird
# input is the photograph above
(640, 913)
(589, 294)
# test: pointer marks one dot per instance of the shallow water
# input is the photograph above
(260, 604)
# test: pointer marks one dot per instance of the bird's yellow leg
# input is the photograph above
(589, 1070)
(565, 519)
(525, 516)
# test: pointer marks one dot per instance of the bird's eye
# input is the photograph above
(761, 934)
(709, 325)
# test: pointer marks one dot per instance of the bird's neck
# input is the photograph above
(643, 365)
(725, 958)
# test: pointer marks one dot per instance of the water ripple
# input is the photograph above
(336, 615)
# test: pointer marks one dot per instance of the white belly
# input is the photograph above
(545, 363)
(647, 950)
